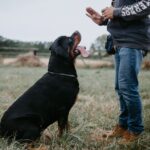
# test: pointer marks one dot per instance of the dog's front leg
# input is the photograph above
(63, 124)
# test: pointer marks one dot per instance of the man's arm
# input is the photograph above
(132, 12)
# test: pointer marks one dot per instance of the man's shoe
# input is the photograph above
(128, 138)
(118, 131)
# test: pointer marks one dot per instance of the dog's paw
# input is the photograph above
(32, 147)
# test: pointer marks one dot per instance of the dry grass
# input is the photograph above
(81, 63)
(95, 111)
(1, 59)
(28, 60)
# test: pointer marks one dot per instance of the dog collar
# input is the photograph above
(62, 74)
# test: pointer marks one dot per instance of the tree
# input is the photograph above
(99, 45)
(100, 42)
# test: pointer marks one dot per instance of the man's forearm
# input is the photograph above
(134, 11)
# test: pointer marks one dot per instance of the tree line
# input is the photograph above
(97, 47)
(8, 43)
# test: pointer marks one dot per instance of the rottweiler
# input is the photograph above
(50, 98)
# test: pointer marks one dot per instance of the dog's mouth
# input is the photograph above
(81, 50)
(76, 49)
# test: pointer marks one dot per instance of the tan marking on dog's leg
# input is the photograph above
(41, 147)
(46, 137)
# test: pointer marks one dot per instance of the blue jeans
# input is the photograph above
(128, 62)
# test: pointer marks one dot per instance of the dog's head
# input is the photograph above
(67, 47)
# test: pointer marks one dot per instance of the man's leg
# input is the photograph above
(121, 127)
(130, 62)
(123, 117)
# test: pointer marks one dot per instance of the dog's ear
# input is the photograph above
(59, 47)
(50, 48)
(54, 44)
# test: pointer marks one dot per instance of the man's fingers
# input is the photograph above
(108, 13)
(105, 14)
(96, 17)
(89, 16)
(93, 16)
(91, 11)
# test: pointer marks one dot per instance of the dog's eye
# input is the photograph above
(70, 41)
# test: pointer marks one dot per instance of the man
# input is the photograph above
(128, 22)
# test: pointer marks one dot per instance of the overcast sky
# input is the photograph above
(45, 20)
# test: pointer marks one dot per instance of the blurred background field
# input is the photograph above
(36, 54)
(96, 109)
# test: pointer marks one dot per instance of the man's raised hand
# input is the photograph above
(95, 16)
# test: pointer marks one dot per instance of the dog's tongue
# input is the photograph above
(83, 51)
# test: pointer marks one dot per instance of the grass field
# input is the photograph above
(95, 111)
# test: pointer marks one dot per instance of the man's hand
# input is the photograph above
(108, 13)
(95, 16)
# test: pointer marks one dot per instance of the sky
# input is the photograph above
(45, 20)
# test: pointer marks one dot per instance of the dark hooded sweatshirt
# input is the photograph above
(130, 26)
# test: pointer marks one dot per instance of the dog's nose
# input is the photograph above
(76, 33)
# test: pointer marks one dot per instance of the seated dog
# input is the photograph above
(50, 98)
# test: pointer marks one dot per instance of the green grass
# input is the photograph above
(96, 109)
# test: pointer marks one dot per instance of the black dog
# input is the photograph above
(50, 98)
